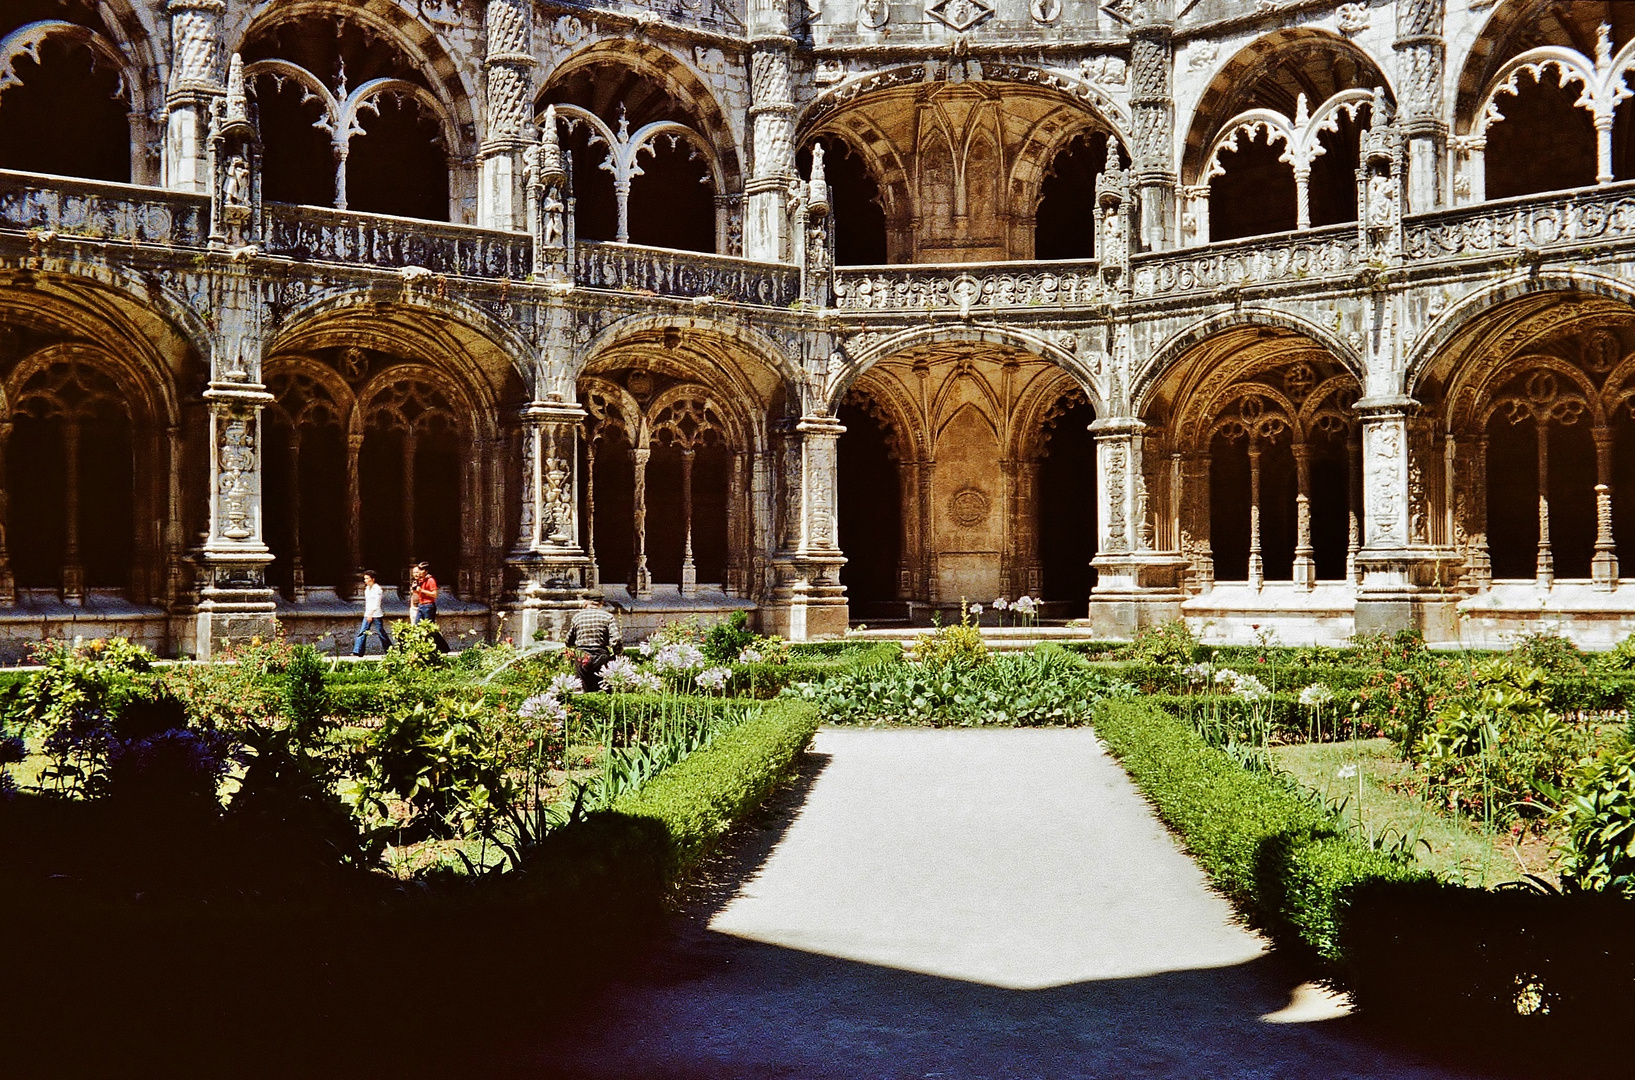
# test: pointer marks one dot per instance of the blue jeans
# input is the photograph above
(379, 626)
(428, 613)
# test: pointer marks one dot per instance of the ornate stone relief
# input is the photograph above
(969, 507)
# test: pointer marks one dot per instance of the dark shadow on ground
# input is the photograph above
(703, 1004)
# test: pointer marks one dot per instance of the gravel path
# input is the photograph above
(965, 904)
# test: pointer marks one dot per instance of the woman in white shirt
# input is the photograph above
(373, 616)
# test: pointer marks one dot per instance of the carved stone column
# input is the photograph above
(768, 225)
(1354, 505)
(1152, 122)
(689, 569)
(1403, 579)
(1136, 586)
(354, 508)
(641, 580)
(1305, 565)
(739, 541)
(1193, 528)
(1257, 565)
(73, 573)
(1545, 566)
(1604, 563)
(1421, 53)
(508, 101)
(807, 600)
(195, 83)
(549, 558)
(234, 601)
(298, 576)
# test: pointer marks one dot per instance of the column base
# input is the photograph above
(807, 602)
(1134, 592)
(234, 606)
(1409, 589)
(549, 589)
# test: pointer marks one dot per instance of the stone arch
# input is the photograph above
(677, 77)
(478, 342)
(1183, 341)
(748, 342)
(1460, 316)
(451, 82)
(1031, 414)
(879, 347)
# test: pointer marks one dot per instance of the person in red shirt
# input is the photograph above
(423, 590)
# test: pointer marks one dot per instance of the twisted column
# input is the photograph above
(1545, 569)
(1257, 565)
(508, 69)
(1604, 563)
(1305, 565)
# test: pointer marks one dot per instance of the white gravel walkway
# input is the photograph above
(970, 904)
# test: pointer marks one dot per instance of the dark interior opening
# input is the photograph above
(398, 165)
(1544, 142)
(854, 203)
(614, 477)
(1065, 222)
(1256, 193)
(69, 116)
(870, 508)
(672, 202)
(380, 473)
(1229, 508)
(1068, 495)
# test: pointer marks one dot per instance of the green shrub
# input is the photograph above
(306, 700)
(960, 645)
(1598, 812)
(726, 640)
(1040, 687)
(699, 799)
(1171, 643)
(1285, 860)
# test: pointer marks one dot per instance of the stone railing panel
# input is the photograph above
(971, 287)
(665, 272)
(1584, 216)
(1333, 251)
(318, 234)
(97, 210)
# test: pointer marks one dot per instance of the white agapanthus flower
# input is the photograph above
(545, 707)
(678, 659)
(1025, 605)
(564, 684)
(648, 683)
(1197, 673)
(750, 655)
(646, 648)
(714, 678)
(1347, 772)
(976, 609)
(1249, 688)
(1001, 604)
(1226, 677)
(620, 675)
(1316, 695)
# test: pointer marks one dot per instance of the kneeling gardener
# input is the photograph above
(595, 638)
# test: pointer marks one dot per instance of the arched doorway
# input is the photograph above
(870, 510)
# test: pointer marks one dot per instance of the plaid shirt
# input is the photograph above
(595, 629)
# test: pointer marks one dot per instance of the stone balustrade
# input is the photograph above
(665, 272)
(1529, 222)
(969, 287)
(102, 211)
(319, 234)
(1333, 251)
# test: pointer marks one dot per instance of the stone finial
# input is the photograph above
(550, 149)
(817, 201)
(1113, 160)
(236, 113)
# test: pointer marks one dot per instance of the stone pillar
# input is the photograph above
(195, 83)
(298, 576)
(1257, 565)
(1403, 579)
(1604, 564)
(641, 580)
(354, 508)
(1305, 563)
(8, 581)
(1136, 586)
(508, 102)
(768, 225)
(409, 553)
(689, 570)
(1545, 567)
(234, 601)
(1152, 123)
(1421, 53)
(807, 599)
(1354, 504)
(549, 557)
(73, 573)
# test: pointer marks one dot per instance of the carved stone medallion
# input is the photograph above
(969, 507)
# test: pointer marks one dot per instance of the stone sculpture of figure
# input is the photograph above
(872, 14)
(1381, 202)
(235, 188)
(553, 218)
(1046, 11)
(1112, 234)
(818, 199)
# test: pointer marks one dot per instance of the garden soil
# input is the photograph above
(961, 905)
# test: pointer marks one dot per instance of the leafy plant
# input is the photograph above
(726, 640)
(1170, 643)
(1598, 812)
(413, 651)
(958, 646)
(306, 699)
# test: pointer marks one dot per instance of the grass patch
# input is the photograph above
(1453, 849)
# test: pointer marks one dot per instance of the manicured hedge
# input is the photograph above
(805, 664)
(1284, 859)
(1283, 712)
(701, 797)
